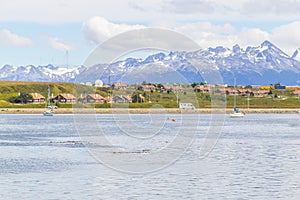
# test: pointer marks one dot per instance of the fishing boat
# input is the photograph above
(49, 112)
(236, 111)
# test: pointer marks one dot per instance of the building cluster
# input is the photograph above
(255, 91)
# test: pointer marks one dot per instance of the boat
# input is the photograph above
(49, 112)
(236, 112)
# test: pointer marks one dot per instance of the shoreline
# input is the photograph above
(148, 111)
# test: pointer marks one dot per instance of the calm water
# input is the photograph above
(257, 157)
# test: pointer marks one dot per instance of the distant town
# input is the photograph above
(144, 95)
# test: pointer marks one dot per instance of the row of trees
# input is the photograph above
(23, 98)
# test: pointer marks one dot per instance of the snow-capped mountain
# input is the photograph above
(39, 73)
(264, 64)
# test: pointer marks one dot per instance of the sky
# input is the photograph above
(35, 32)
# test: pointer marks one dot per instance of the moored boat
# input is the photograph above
(236, 112)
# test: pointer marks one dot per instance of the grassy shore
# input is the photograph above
(142, 111)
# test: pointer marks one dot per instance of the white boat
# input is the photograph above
(49, 112)
(237, 115)
(236, 112)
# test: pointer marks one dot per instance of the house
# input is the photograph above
(202, 88)
(94, 98)
(147, 87)
(65, 98)
(230, 91)
(37, 98)
(121, 99)
(259, 93)
(120, 86)
(243, 92)
(296, 92)
(173, 88)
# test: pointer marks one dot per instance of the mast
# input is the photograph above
(235, 94)
(49, 101)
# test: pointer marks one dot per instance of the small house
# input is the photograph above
(243, 92)
(120, 86)
(259, 93)
(230, 91)
(94, 98)
(121, 99)
(297, 93)
(202, 88)
(147, 87)
(65, 98)
(173, 88)
(37, 98)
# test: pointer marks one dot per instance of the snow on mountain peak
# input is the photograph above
(254, 65)
(296, 55)
(267, 43)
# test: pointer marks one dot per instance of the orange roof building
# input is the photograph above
(37, 98)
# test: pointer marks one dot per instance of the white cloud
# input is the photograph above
(287, 36)
(191, 6)
(59, 44)
(148, 11)
(12, 39)
(206, 34)
(271, 7)
(98, 29)
(252, 36)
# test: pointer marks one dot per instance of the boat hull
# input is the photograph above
(237, 115)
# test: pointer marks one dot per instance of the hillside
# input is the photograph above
(8, 89)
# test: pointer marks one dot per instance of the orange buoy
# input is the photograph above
(173, 120)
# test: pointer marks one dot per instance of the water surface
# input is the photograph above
(257, 157)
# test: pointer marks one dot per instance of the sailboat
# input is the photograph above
(49, 112)
(236, 112)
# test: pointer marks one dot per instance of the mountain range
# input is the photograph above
(260, 65)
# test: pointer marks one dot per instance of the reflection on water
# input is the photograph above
(257, 157)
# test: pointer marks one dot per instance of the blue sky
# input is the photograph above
(40, 32)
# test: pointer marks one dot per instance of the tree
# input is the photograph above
(23, 98)
(270, 92)
(136, 98)
(159, 86)
(194, 84)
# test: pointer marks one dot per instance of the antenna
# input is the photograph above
(108, 76)
(67, 58)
